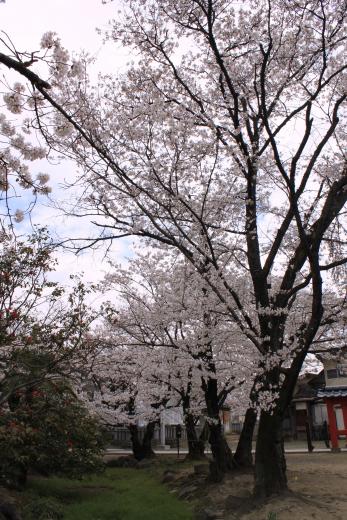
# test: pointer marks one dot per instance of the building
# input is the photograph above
(334, 395)
(307, 409)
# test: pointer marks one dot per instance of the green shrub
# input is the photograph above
(43, 509)
(49, 431)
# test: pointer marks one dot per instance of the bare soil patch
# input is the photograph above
(318, 490)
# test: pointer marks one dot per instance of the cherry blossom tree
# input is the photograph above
(17, 152)
(128, 384)
(225, 140)
(184, 340)
(114, 386)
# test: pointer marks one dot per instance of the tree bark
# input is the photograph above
(142, 450)
(147, 440)
(243, 454)
(270, 465)
(222, 454)
(196, 446)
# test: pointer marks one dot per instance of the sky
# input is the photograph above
(75, 21)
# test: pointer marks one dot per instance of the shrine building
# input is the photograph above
(334, 395)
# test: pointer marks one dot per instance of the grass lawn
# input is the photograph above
(117, 494)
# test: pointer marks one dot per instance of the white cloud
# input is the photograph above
(75, 21)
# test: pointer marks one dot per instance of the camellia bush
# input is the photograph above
(43, 326)
(47, 430)
(43, 332)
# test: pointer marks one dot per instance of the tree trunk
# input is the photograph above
(222, 455)
(270, 465)
(147, 441)
(221, 452)
(270, 462)
(204, 434)
(196, 446)
(142, 450)
(243, 454)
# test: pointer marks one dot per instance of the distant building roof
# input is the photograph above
(333, 392)
(307, 387)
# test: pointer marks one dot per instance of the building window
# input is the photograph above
(342, 369)
(332, 374)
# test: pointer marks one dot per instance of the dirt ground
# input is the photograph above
(319, 485)
(318, 490)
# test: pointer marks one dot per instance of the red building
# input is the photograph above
(335, 398)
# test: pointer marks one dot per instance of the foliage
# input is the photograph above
(49, 431)
(44, 509)
(41, 324)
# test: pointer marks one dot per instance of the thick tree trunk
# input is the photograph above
(270, 462)
(147, 441)
(196, 446)
(142, 450)
(135, 441)
(270, 465)
(204, 434)
(222, 455)
(221, 452)
(243, 454)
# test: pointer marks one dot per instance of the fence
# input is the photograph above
(121, 435)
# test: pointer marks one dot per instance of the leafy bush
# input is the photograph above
(48, 430)
(43, 509)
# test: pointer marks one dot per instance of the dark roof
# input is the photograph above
(338, 391)
(305, 391)
(307, 387)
